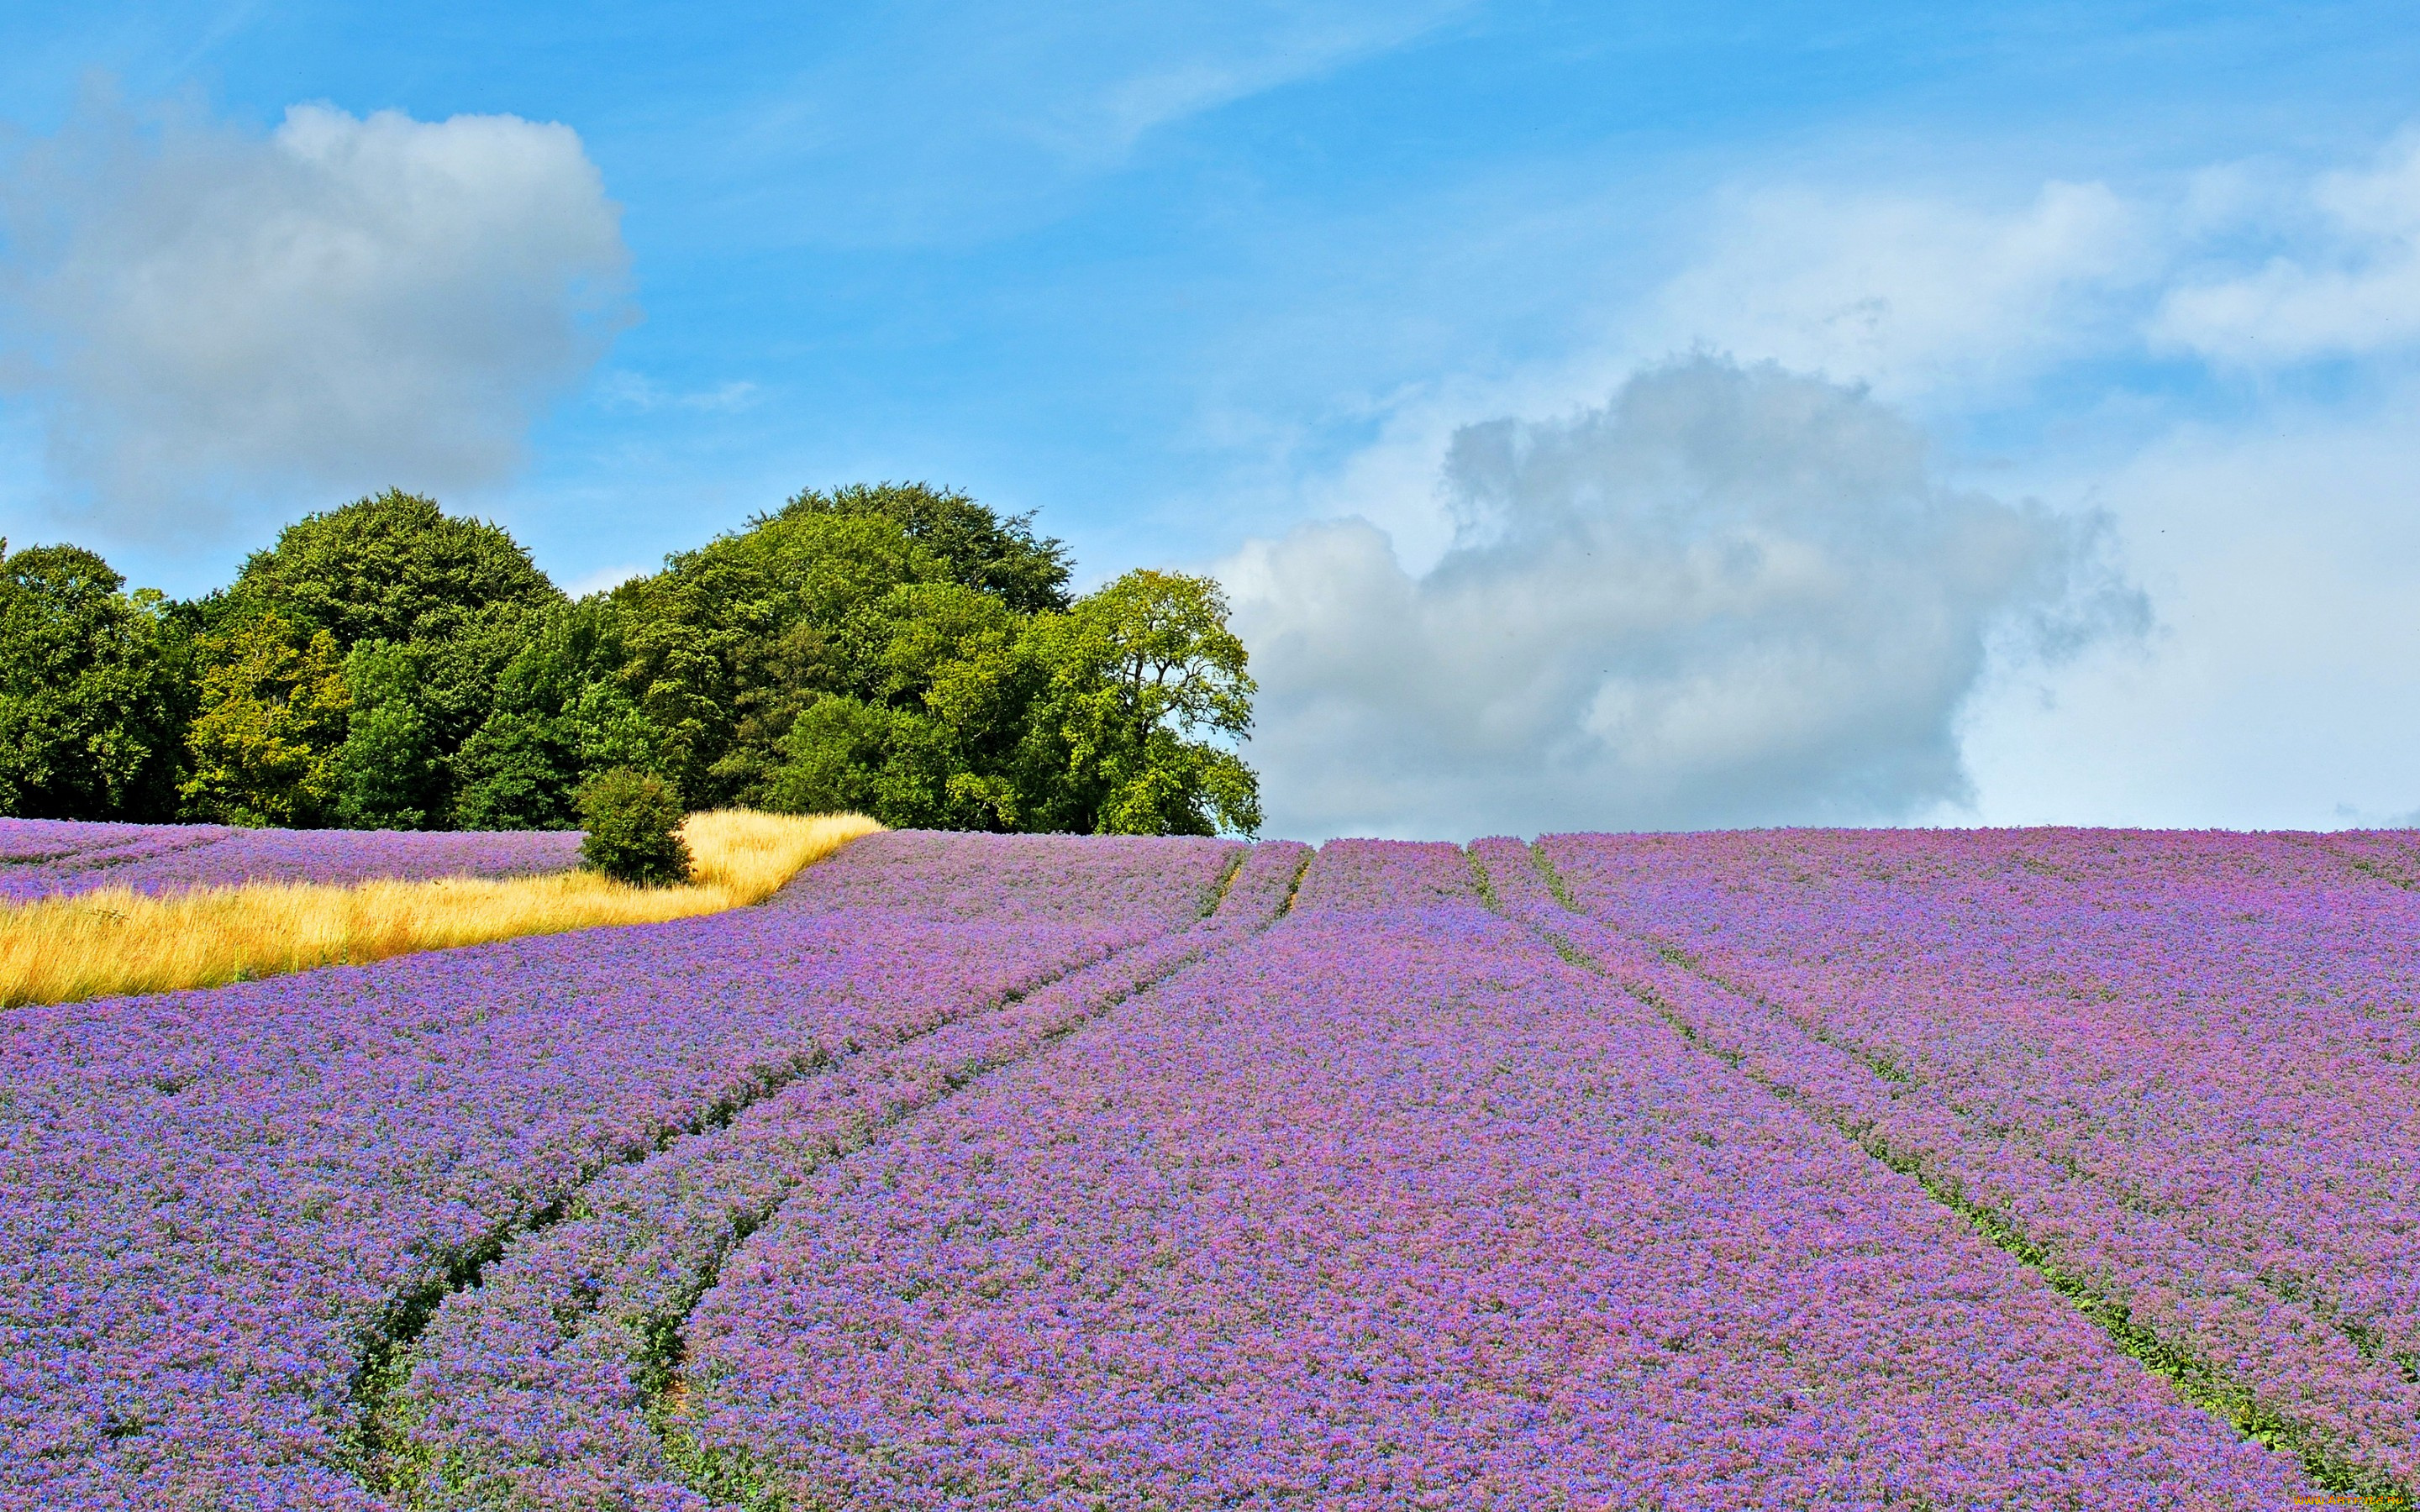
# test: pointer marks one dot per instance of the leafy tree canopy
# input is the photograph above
(90, 696)
(560, 715)
(730, 642)
(995, 554)
(1147, 686)
(389, 771)
(274, 709)
(929, 733)
(1116, 715)
(426, 609)
(633, 821)
(898, 649)
(390, 567)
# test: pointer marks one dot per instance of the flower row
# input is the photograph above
(217, 1204)
(533, 1390)
(2182, 1065)
(1392, 1208)
(53, 858)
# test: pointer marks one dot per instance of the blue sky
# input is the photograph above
(1191, 281)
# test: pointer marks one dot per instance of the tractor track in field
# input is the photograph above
(382, 1360)
(379, 1453)
(384, 1356)
(2198, 1380)
(724, 1476)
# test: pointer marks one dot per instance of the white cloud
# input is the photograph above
(211, 322)
(1939, 306)
(1220, 55)
(1949, 304)
(2351, 288)
(1426, 675)
(1730, 596)
(1916, 296)
(2284, 687)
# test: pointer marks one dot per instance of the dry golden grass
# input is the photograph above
(119, 941)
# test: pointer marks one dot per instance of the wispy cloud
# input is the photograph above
(2351, 288)
(1013, 111)
(637, 392)
(1221, 57)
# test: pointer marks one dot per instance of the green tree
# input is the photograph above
(390, 773)
(1139, 673)
(897, 649)
(846, 754)
(91, 690)
(390, 567)
(559, 717)
(884, 617)
(633, 820)
(516, 772)
(273, 716)
(430, 610)
(929, 733)
(993, 554)
(731, 642)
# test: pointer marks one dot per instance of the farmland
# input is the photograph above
(1788, 1169)
(104, 909)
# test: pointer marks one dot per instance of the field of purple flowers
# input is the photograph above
(2181, 1068)
(2044, 1169)
(59, 857)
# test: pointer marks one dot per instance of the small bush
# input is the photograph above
(633, 821)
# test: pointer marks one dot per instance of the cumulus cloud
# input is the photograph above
(1944, 306)
(2352, 290)
(1730, 596)
(1555, 638)
(209, 321)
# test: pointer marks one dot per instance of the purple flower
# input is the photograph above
(1782, 1169)
(218, 1201)
(52, 857)
(2178, 1065)
(1393, 1208)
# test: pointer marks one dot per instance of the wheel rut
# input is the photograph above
(2197, 1379)
(593, 1304)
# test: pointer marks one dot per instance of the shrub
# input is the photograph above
(633, 821)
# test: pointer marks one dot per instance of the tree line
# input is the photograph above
(902, 651)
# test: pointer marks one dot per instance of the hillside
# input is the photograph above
(1783, 1167)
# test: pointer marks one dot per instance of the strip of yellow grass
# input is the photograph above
(117, 940)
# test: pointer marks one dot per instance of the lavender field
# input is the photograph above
(59, 857)
(1782, 1168)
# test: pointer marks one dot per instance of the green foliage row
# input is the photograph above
(897, 650)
